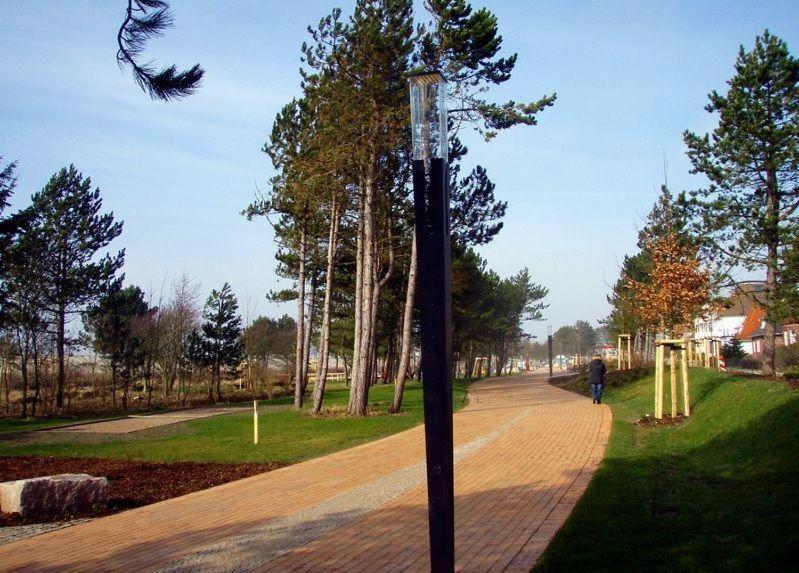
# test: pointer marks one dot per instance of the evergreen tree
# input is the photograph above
(23, 315)
(733, 351)
(488, 312)
(146, 19)
(787, 304)
(8, 227)
(221, 336)
(112, 322)
(464, 44)
(748, 213)
(667, 217)
(624, 317)
(475, 214)
(270, 337)
(69, 231)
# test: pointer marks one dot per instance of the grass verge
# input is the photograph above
(717, 492)
(285, 436)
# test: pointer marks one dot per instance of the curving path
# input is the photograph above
(525, 451)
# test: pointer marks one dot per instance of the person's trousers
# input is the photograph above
(596, 391)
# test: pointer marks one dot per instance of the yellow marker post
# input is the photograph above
(255, 421)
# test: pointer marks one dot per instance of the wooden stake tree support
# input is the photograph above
(624, 353)
(478, 367)
(691, 349)
(678, 353)
(705, 352)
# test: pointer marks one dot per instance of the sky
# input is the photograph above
(630, 78)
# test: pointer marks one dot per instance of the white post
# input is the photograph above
(255, 421)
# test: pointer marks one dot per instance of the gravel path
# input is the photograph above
(9, 534)
(136, 423)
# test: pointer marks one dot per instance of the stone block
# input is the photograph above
(54, 496)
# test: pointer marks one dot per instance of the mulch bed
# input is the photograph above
(651, 421)
(130, 483)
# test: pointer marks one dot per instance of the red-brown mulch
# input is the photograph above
(130, 483)
(650, 421)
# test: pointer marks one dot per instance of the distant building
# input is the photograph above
(606, 351)
(728, 323)
(744, 319)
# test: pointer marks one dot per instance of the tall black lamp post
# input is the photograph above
(431, 206)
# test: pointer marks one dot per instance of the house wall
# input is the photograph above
(724, 327)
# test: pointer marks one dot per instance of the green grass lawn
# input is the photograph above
(719, 492)
(285, 436)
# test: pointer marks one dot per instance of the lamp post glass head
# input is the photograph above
(429, 116)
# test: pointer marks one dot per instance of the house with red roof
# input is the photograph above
(744, 319)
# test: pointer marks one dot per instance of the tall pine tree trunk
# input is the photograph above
(299, 346)
(308, 332)
(772, 260)
(324, 335)
(362, 359)
(23, 364)
(769, 328)
(61, 317)
(407, 324)
(358, 304)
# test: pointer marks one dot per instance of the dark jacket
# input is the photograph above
(596, 372)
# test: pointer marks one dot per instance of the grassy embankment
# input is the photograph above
(717, 492)
(285, 435)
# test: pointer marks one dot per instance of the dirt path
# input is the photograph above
(525, 452)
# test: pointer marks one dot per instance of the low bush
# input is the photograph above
(750, 362)
(617, 378)
(787, 357)
(791, 374)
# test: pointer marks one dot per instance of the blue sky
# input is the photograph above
(630, 77)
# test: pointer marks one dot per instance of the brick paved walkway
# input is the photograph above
(525, 451)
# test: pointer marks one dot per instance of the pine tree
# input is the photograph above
(112, 322)
(464, 45)
(748, 213)
(667, 217)
(23, 315)
(787, 304)
(296, 196)
(8, 228)
(70, 231)
(475, 214)
(146, 19)
(221, 336)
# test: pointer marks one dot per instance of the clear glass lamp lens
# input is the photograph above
(428, 116)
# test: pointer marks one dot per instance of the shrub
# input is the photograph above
(733, 351)
(787, 357)
(791, 375)
(751, 362)
(616, 378)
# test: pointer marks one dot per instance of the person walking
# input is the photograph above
(596, 378)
